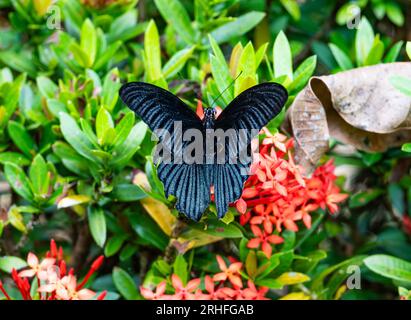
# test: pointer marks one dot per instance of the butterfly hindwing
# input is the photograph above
(251, 111)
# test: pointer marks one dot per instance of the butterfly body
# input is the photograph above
(217, 160)
(209, 118)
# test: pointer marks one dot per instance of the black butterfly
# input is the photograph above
(190, 183)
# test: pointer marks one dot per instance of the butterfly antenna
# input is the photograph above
(229, 86)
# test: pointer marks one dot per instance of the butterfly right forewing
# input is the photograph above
(249, 111)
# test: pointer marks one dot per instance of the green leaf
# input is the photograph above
(408, 49)
(111, 86)
(282, 57)
(364, 41)
(221, 73)
(16, 219)
(39, 175)
(238, 27)
(127, 193)
(376, 53)
(396, 197)
(177, 62)
(18, 180)
(123, 128)
(125, 27)
(107, 55)
(71, 159)
(220, 229)
(21, 138)
(122, 153)
(405, 147)
(148, 230)
(11, 97)
(260, 54)
(97, 224)
(341, 57)
(79, 55)
(88, 42)
(19, 62)
(125, 284)
(269, 283)
(55, 106)
(75, 137)
(180, 268)
(15, 158)
(47, 87)
(177, 17)
(103, 123)
(152, 51)
(402, 84)
(251, 264)
(394, 52)
(363, 198)
(303, 73)
(114, 245)
(8, 263)
(292, 7)
(394, 13)
(389, 267)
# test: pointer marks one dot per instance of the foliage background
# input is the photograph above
(71, 154)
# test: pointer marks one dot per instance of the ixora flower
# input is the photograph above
(277, 195)
(37, 269)
(53, 279)
(225, 285)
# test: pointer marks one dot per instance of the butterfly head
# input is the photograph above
(209, 117)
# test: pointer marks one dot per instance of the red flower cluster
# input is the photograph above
(225, 285)
(54, 282)
(277, 195)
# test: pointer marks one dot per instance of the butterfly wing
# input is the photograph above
(251, 111)
(160, 109)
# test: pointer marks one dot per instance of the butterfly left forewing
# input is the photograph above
(161, 110)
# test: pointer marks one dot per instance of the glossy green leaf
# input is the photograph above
(180, 268)
(89, 42)
(341, 57)
(47, 87)
(390, 267)
(238, 27)
(152, 52)
(39, 175)
(122, 153)
(282, 57)
(114, 245)
(15, 158)
(103, 123)
(18, 180)
(176, 16)
(97, 224)
(177, 62)
(75, 137)
(21, 138)
(364, 41)
(8, 263)
(127, 193)
(125, 284)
